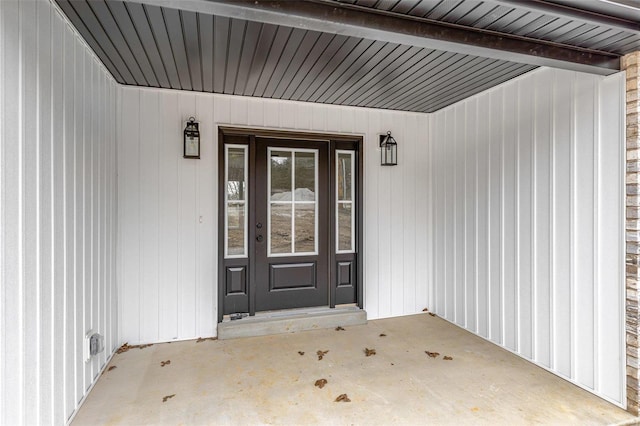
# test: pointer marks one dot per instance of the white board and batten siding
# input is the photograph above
(528, 218)
(57, 213)
(168, 210)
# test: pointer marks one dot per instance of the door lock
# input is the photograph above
(259, 225)
(259, 238)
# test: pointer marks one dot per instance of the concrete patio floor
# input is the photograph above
(264, 380)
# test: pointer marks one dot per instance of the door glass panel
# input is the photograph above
(344, 227)
(280, 171)
(235, 229)
(236, 200)
(305, 228)
(305, 179)
(344, 166)
(292, 217)
(236, 185)
(280, 228)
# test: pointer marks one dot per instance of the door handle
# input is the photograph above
(259, 238)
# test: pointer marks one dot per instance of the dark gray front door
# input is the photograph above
(291, 224)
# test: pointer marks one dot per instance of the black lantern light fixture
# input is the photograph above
(388, 150)
(191, 139)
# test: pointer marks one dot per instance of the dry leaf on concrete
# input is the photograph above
(126, 347)
(321, 354)
(425, 310)
(447, 358)
(111, 368)
(432, 314)
(383, 335)
(300, 353)
(163, 363)
(369, 352)
(164, 399)
(432, 354)
(343, 398)
(338, 328)
(202, 339)
(321, 382)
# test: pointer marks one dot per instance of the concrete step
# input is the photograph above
(291, 321)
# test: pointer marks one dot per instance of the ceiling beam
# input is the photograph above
(573, 13)
(356, 21)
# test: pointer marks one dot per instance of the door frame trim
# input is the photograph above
(330, 138)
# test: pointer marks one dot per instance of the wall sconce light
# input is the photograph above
(191, 139)
(388, 150)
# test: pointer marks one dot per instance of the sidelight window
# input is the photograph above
(236, 160)
(345, 214)
(293, 208)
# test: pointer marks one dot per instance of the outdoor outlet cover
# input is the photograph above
(93, 345)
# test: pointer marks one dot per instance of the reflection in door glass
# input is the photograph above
(280, 169)
(235, 174)
(235, 229)
(280, 228)
(236, 201)
(305, 176)
(344, 201)
(305, 227)
(344, 176)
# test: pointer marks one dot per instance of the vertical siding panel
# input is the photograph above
(386, 215)
(319, 120)
(31, 272)
(439, 214)
(58, 186)
(508, 248)
(610, 207)
(303, 116)
(271, 113)
(470, 142)
(149, 212)
(207, 176)
(129, 217)
(169, 152)
(44, 203)
(459, 218)
(371, 238)
(255, 113)
(395, 260)
(239, 110)
(483, 175)
(561, 190)
(495, 219)
(584, 225)
(409, 228)
(525, 219)
(422, 218)
(287, 115)
(542, 213)
(12, 208)
(70, 353)
(449, 194)
(80, 218)
(187, 222)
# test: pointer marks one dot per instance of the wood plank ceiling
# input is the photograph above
(153, 46)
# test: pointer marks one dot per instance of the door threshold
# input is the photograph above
(291, 321)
